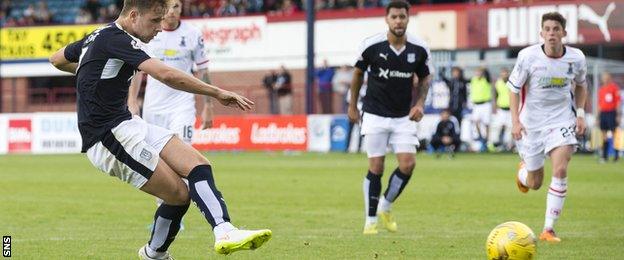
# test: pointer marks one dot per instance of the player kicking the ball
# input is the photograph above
(548, 95)
(151, 158)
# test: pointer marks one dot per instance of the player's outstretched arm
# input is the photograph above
(58, 60)
(181, 81)
(356, 85)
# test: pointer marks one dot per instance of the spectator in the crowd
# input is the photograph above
(609, 110)
(3, 17)
(288, 7)
(324, 76)
(341, 83)
(103, 16)
(283, 85)
(268, 82)
(28, 16)
(42, 14)
(226, 8)
(458, 92)
(481, 97)
(83, 17)
(446, 134)
(113, 12)
(254, 6)
(93, 6)
(5, 6)
(501, 125)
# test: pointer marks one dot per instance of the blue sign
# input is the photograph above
(339, 133)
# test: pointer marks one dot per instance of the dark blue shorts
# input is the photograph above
(607, 120)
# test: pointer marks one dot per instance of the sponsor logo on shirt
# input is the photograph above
(553, 82)
(387, 73)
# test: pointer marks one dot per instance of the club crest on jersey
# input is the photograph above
(183, 41)
(570, 70)
(411, 57)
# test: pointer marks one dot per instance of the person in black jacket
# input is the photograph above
(447, 133)
(457, 90)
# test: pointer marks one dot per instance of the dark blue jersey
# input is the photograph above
(107, 60)
(391, 74)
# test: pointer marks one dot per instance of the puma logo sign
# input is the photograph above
(384, 56)
(587, 13)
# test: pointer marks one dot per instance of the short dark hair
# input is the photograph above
(399, 4)
(554, 16)
(143, 5)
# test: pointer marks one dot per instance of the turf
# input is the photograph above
(60, 207)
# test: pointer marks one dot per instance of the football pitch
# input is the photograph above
(60, 207)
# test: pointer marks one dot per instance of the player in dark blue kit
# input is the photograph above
(146, 156)
(396, 64)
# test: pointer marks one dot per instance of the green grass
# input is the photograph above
(60, 207)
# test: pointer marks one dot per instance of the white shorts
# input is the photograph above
(380, 131)
(180, 122)
(482, 113)
(535, 145)
(503, 118)
(130, 151)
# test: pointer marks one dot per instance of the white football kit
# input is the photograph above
(182, 48)
(547, 112)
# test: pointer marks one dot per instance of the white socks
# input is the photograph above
(370, 220)
(554, 201)
(522, 175)
(153, 253)
(223, 228)
(384, 205)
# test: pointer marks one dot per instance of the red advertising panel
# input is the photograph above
(254, 133)
(20, 135)
(588, 22)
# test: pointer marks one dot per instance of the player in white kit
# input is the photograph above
(548, 95)
(178, 45)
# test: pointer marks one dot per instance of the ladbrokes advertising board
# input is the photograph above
(254, 133)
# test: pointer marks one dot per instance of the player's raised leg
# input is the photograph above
(556, 191)
(530, 177)
(188, 162)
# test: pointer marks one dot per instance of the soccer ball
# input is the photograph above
(511, 240)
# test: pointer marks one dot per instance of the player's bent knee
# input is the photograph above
(407, 167)
(377, 169)
(178, 196)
